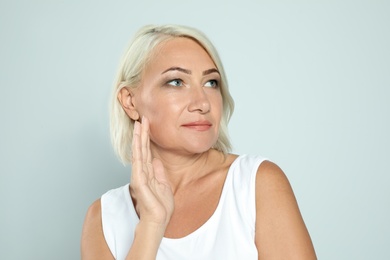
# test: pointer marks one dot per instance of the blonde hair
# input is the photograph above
(129, 74)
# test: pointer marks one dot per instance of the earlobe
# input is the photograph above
(126, 98)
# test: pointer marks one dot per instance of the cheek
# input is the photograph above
(148, 105)
(218, 105)
(164, 118)
(161, 110)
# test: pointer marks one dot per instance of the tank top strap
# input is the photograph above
(119, 220)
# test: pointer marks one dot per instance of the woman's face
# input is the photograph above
(180, 95)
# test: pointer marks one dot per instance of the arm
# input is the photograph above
(93, 244)
(147, 238)
(153, 199)
(151, 194)
(280, 230)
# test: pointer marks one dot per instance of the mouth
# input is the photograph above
(198, 125)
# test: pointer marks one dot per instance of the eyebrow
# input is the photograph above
(209, 71)
(179, 69)
(206, 72)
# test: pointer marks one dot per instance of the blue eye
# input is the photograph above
(211, 84)
(175, 83)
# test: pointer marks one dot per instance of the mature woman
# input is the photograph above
(188, 197)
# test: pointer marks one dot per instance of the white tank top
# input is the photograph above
(228, 234)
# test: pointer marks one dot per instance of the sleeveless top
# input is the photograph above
(228, 234)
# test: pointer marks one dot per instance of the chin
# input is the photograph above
(199, 147)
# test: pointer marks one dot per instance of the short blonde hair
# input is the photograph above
(129, 74)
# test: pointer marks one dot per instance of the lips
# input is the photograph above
(198, 125)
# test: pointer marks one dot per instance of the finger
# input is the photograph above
(136, 151)
(159, 172)
(146, 154)
(144, 139)
(149, 153)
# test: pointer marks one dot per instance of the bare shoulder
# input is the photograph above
(93, 244)
(268, 174)
(280, 230)
(94, 211)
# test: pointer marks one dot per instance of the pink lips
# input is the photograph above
(198, 125)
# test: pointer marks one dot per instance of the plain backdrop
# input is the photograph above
(311, 82)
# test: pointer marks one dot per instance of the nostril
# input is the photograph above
(202, 105)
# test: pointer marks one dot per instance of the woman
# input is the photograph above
(188, 197)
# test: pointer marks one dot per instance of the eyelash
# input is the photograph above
(215, 82)
(169, 83)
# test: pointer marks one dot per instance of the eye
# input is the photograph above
(212, 84)
(175, 83)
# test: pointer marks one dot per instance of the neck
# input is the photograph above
(182, 169)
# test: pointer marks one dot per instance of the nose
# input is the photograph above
(199, 101)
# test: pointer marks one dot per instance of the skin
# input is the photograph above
(177, 179)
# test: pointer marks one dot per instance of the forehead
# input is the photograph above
(180, 51)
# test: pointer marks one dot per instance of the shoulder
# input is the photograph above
(94, 210)
(280, 228)
(93, 218)
(273, 193)
(271, 178)
(92, 222)
(93, 245)
(245, 162)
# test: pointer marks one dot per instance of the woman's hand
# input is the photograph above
(149, 186)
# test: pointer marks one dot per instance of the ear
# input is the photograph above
(126, 98)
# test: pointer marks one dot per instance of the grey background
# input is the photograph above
(311, 83)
